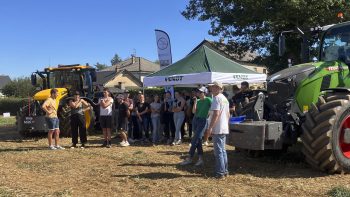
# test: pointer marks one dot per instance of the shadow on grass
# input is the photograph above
(148, 164)
(289, 165)
(22, 149)
(156, 176)
(179, 153)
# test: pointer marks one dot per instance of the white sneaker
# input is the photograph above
(199, 162)
(205, 143)
(173, 143)
(58, 147)
(52, 148)
(125, 144)
(178, 142)
(121, 143)
(186, 162)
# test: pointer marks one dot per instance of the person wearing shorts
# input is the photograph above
(106, 103)
(50, 107)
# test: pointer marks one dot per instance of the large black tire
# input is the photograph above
(65, 126)
(322, 130)
(65, 123)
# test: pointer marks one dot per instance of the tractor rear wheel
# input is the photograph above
(65, 126)
(65, 122)
(326, 133)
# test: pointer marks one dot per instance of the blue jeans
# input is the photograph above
(179, 118)
(156, 129)
(198, 125)
(144, 126)
(53, 123)
(221, 165)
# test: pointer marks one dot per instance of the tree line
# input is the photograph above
(254, 25)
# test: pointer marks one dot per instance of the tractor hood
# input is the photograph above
(282, 85)
(298, 71)
(44, 94)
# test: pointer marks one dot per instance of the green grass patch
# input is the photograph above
(10, 121)
(5, 193)
(64, 193)
(339, 191)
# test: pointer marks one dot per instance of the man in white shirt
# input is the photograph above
(218, 128)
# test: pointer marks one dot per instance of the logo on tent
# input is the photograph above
(240, 77)
(175, 78)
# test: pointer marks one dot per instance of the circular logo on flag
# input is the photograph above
(162, 43)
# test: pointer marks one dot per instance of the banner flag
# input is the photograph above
(164, 48)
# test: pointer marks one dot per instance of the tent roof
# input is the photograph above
(201, 60)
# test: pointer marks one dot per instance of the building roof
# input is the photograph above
(105, 76)
(134, 64)
(4, 79)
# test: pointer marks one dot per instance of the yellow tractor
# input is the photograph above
(66, 79)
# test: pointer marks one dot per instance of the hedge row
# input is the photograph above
(11, 105)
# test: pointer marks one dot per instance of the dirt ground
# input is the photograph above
(28, 168)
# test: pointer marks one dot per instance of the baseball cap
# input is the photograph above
(217, 83)
(202, 89)
(120, 96)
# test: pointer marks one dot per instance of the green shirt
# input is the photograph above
(203, 107)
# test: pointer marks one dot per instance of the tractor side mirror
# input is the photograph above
(281, 44)
(93, 75)
(33, 79)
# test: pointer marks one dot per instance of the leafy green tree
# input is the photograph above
(19, 87)
(100, 66)
(116, 59)
(254, 25)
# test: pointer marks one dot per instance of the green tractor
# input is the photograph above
(308, 101)
(66, 79)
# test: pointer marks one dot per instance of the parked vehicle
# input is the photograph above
(309, 101)
(66, 79)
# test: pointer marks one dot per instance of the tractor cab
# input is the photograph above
(72, 77)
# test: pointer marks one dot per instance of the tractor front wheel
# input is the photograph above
(326, 133)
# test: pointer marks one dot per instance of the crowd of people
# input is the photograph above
(157, 119)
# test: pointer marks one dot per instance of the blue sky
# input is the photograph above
(38, 33)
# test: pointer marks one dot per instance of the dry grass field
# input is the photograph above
(28, 168)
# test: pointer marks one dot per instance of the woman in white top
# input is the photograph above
(106, 103)
(155, 116)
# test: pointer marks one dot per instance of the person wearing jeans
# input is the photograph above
(142, 109)
(155, 116)
(200, 109)
(179, 116)
(169, 126)
(218, 128)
